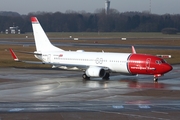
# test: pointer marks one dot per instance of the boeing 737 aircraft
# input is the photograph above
(95, 64)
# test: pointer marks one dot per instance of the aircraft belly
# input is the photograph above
(39, 57)
(121, 67)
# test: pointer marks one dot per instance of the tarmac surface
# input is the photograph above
(14, 41)
(46, 94)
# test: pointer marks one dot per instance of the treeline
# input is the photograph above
(94, 22)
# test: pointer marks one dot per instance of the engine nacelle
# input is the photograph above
(80, 51)
(95, 72)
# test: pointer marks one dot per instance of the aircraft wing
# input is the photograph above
(17, 60)
(34, 53)
(54, 65)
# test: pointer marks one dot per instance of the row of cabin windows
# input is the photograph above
(73, 59)
(135, 61)
(100, 60)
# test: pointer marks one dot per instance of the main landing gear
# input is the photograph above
(85, 77)
(106, 77)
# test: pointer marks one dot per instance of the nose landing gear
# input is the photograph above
(156, 77)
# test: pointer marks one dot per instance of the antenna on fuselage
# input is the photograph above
(133, 50)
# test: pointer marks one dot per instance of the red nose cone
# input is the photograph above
(167, 68)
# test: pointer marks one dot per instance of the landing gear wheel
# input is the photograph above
(106, 77)
(85, 77)
(155, 80)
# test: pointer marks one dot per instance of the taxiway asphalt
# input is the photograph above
(93, 45)
(59, 94)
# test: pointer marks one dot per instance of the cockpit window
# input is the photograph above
(158, 62)
(163, 61)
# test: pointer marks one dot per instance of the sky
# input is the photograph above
(27, 6)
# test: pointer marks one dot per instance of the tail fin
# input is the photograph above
(41, 40)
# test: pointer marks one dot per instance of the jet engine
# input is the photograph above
(95, 72)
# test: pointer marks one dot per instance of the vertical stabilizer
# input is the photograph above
(41, 40)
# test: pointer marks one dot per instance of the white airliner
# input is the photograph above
(95, 64)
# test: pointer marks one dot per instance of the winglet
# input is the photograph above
(13, 55)
(133, 50)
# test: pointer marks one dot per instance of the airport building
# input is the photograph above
(13, 30)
